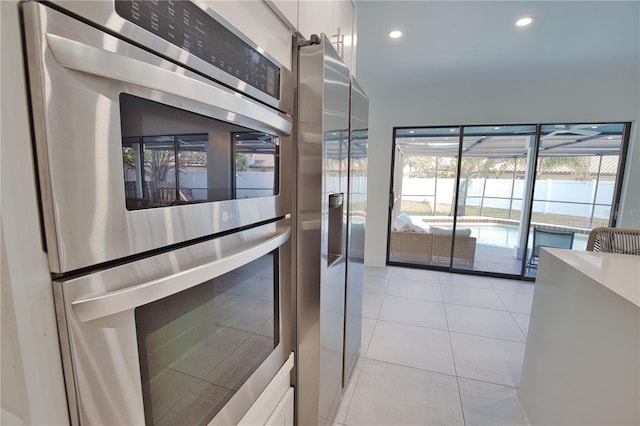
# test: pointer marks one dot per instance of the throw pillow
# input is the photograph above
(413, 228)
(402, 220)
(464, 232)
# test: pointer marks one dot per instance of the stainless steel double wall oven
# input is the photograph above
(164, 153)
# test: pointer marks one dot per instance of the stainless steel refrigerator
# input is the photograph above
(331, 201)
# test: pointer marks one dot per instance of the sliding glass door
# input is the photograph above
(425, 169)
(575, 185)
(492, 186)
(486, 198)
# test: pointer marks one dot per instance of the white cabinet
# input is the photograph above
(342, 23)
(314, 17)
(274, 406)
(283, 414)
(335, 19)
(287, 10)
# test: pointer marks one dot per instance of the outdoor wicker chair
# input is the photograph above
(614, 240)
(410, 246)
(546, 238)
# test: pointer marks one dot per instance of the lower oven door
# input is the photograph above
(191, 336)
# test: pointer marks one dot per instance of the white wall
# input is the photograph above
(32, 384)
(592, 95)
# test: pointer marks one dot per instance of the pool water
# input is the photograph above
(500, 235)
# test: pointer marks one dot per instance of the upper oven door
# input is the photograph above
(136, 153)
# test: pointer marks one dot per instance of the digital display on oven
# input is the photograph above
(185, 25)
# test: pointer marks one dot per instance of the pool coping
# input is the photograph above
(499, 221)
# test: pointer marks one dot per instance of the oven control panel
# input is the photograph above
(185, 25)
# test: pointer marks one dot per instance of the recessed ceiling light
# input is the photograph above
(452, 130)
(594, 127)
(524, 21)
(610, 137)
(395, 34)
(411, 131)
(496, 128)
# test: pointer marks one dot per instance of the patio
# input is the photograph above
(502, 183)
(495, 245)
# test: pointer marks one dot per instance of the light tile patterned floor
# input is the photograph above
(438, 349)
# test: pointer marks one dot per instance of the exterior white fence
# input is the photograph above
(563, 197)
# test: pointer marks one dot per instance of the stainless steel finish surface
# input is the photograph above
(335, 229)
(102, 351)
(76, 74)
(335, 200)
(81, 57)
(356, 223)
(323, 116)
(116, 301)
(103, 14)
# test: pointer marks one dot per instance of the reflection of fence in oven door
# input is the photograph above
(161, 155)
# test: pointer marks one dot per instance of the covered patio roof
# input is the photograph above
(512, 140)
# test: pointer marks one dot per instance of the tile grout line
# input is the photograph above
(450, 334)
(442, 374)
(364, 357)
(511, 314)
(453, 356)
(355, 385)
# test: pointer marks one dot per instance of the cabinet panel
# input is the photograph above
(273, 404)
(260, 24)
(314, 17)
(288, 9)
(335, 19)
(283, 414)
(342, 24)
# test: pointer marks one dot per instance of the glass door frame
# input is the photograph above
(527, 197)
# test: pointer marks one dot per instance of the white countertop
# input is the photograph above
(618, 272)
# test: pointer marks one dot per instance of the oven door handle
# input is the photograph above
(81, 57)
(117, 301)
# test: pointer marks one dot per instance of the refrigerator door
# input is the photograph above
(356, 220)
(323, 137)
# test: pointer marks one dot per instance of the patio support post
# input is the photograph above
(513, 185)
(484, 189)
(527, 198)
(595, 193)
(435, 189)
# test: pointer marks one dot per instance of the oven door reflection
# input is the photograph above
(197, 347)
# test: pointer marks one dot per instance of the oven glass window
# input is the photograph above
(197, 347)
(173, 157)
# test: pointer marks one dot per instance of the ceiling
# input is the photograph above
(476, 42)
(478, 39)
